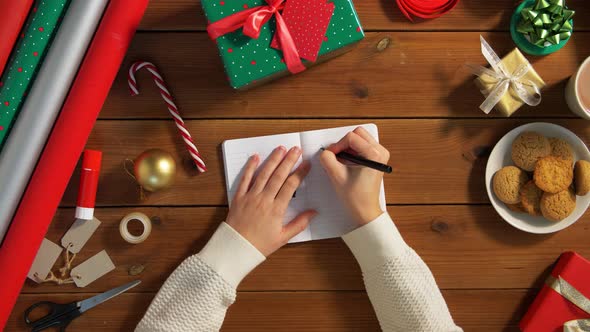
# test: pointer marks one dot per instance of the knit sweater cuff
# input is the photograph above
(230, 254)
(376, 242)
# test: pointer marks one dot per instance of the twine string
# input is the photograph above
(64, 271)
(126, 162)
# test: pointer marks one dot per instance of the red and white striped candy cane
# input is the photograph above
(188, 140)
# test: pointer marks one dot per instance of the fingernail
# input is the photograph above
(282, 148)
(295, 149)
(255, 157)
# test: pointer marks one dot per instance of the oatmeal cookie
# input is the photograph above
(561, 149)
(557, 207)
(529, 147)
(553, 174)
(582, 177)
(530, 198)
(507, 183)
(518, 208)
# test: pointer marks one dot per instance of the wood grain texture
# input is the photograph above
(426, 107)
(295, 311)
(417, 75)
(466, 247)
(474, 15)
(459, 148)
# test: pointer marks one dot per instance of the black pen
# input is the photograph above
(363, 162)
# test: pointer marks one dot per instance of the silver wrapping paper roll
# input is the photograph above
(33, 126)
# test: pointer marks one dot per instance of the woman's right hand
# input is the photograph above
(357, 186)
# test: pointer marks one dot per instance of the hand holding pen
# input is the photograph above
(358, 160)
(358, 187)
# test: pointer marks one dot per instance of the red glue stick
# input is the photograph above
(88, 184)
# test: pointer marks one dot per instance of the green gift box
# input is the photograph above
(249, 62)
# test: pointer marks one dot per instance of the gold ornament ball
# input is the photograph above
(155, 169)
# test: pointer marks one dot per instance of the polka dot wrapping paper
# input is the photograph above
(26, 59)
(249, 62)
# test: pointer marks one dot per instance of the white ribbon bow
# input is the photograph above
(525, 89)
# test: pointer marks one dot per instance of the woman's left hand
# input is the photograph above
(260, 203)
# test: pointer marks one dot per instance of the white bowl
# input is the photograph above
(501, 156)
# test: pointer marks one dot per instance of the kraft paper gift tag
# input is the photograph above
(92, 269)
(78, 234)
(46, 257)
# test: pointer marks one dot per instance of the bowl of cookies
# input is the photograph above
(538, 178)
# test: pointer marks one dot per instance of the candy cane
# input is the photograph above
(188, 140)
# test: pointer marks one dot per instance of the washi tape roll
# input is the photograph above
(145, 221)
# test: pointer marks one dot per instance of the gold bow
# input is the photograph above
(571, 294)
(505, 80)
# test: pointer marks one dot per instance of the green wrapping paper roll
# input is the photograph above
(26, 58)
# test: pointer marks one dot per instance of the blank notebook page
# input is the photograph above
(315, 192)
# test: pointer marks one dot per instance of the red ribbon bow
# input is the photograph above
(252, 20)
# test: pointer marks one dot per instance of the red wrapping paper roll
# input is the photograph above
(65, 146)
(13, 17)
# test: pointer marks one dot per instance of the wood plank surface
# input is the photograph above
(459, 148)
(426, 107)
(474, 15)
(455, 242)
(296, 311)
(417, 75)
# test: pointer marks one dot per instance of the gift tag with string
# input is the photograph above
(92, 269)
(46, 257)
(78, 234)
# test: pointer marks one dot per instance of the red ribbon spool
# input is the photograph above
(425, 9)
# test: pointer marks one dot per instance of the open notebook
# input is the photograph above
(315, 192)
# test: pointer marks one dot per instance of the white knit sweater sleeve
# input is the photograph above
(401, 288)
(197, 294)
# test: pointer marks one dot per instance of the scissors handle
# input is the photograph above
(60, 315)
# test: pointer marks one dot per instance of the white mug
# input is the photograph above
(573, 92)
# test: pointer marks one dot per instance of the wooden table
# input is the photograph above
(426, 107)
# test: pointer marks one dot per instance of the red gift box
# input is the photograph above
(552, 309)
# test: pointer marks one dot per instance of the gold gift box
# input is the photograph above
(510, 102)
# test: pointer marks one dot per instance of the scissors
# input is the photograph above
(60, 315)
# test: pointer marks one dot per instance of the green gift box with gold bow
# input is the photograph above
(541, 27)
